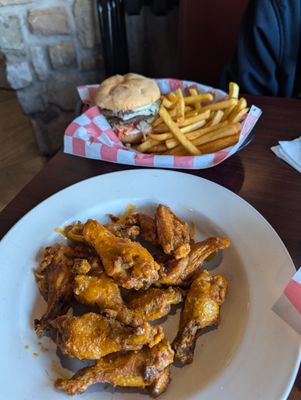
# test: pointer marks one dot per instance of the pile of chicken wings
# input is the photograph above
(128, 273)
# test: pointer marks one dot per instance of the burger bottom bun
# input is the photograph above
(134, 138)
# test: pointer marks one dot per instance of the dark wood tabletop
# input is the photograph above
(255, 173)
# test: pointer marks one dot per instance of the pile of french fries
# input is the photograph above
(195, 124)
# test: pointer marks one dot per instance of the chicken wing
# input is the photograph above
(128, 263)
(74, 232)
(173, 233)
(152, 304)
(129, 369)
(100, 291)
(180, 272)
(146, 224)
(55, 278)
(139, 307)
(201, 309)
(92, 336)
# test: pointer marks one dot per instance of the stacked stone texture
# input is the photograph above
(50, 47)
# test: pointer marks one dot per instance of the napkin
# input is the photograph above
(289, 151)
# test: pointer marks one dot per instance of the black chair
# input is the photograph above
(111, 14)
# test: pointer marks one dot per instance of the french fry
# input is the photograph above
(148, 144)
(185, 126)
(166, 103)
(180, 106)
(161, 137)
(197, 104)
(158, 148)
(171, 143)
(222, 131)
(157, 122)
(179, 151)
(239, 116)
(167, 135)
(228, 111)
(219, 144)
(192, 113)
(220, 105)
(162, 128)
(242, 103)
(173, 113)
(172, 97)
(193, 127)
(228, 130)
(216, 119)
(192, 149)
(233, 90)
(198, 98)
(198, 117)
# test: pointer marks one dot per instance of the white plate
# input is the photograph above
(253, 354)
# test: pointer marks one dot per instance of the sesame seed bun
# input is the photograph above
(126, 92)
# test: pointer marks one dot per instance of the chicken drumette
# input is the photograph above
(138, 307)
(93, 336)
(201, 309)
(139, 369)
(127, 262)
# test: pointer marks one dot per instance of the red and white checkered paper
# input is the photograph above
(293, 290)
(91, 136)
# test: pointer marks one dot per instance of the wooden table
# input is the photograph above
(255, 173)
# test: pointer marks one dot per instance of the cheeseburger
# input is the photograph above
(130, 103)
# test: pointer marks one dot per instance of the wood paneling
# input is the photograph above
(207, 37)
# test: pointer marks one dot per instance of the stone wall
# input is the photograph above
(49, 47)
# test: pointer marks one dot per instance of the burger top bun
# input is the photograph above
(126, 92)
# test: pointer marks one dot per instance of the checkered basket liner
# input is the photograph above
(91, 136)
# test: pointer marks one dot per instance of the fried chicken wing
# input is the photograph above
(74, 232)
(55, 279)
(146, 224)
(173, 233)
(201, 309)
(128, 369)
(180, 272)
(92, 336)
(100, 291)
(139, 307)
(128, 263)
(152, 304)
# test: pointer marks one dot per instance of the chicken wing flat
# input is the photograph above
(173, 233)
(180, 272)
(138, 307)
(75, 232)
(55, 279)
(92, 336)
(147, 225)
(201, 309)
(127, 369)
(128, 263)
(152, 304)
